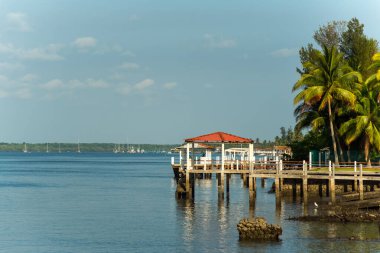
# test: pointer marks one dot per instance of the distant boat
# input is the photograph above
(78, 147)
(116, 149)
(59, 147)
(25, 148)
(47, 147)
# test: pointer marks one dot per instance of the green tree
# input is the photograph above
(366, 123)
(326, 85)
(330, 35)
(357, 48)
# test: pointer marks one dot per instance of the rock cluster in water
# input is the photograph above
(258, 229)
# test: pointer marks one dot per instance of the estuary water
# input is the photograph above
(91, 202)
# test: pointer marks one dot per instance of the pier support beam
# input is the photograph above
(332, 188)
(228, 177)
(304, 189)
(262, 182)
(221, 184)
(277, 185)
(252, 192)
(355, 184)
(244, 179)
(361, 186)
(252, 184)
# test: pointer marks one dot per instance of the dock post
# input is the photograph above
(221, 184)
(332, 184)
(277, 183)
(361, 186)
(187, 183)
(221, 175)
(304, 184)
(252, 191)
(355, 185)
(228, 177)
(262, 182)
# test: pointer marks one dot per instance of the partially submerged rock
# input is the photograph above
(258, 229)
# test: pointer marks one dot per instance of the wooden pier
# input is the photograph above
(299, 174)
(300, 178)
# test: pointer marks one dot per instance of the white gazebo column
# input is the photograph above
(221, 175)
(188, 169)
(250, 160)
(222, 156)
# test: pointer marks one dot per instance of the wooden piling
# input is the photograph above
(361, 186)
(221, 182)
(187, 183)
(244, 179)
(355, 185)
(332, 184)
(304, 189)
(262, 182)
(228, 177)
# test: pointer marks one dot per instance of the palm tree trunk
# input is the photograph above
(366, 151)
(338, 144)
(336, 158)
(348, 153)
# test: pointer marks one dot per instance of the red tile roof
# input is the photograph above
(219, 137)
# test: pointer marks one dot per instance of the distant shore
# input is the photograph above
(85, 147)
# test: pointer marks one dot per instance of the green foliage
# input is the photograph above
(331, 94)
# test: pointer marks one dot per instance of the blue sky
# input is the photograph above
(155, 71)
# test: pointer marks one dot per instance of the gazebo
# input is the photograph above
(217, 138)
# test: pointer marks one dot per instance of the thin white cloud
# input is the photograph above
(50, 53)
(85, 42)
(74, 84)
(213, 41)
(9, 66)
(4, 93)
(285, 52)
(23, 93)
(29, 77)
(144, 84)
(129, 66)
(92, 83)
(170, 85)
(18, 21)
(139, 87)
(52, 84)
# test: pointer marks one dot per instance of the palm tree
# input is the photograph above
(326, 84)
(366, 124)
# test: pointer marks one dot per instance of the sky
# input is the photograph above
(149, 71)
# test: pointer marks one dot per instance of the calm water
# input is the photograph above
(125, 203)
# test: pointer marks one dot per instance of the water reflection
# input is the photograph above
(210, 222)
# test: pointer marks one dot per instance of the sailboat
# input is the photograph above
(78, 147)
(116, 150)
(47, 147)
(59, 147)
(25, 148)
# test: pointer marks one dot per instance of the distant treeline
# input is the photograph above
(84, 147)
